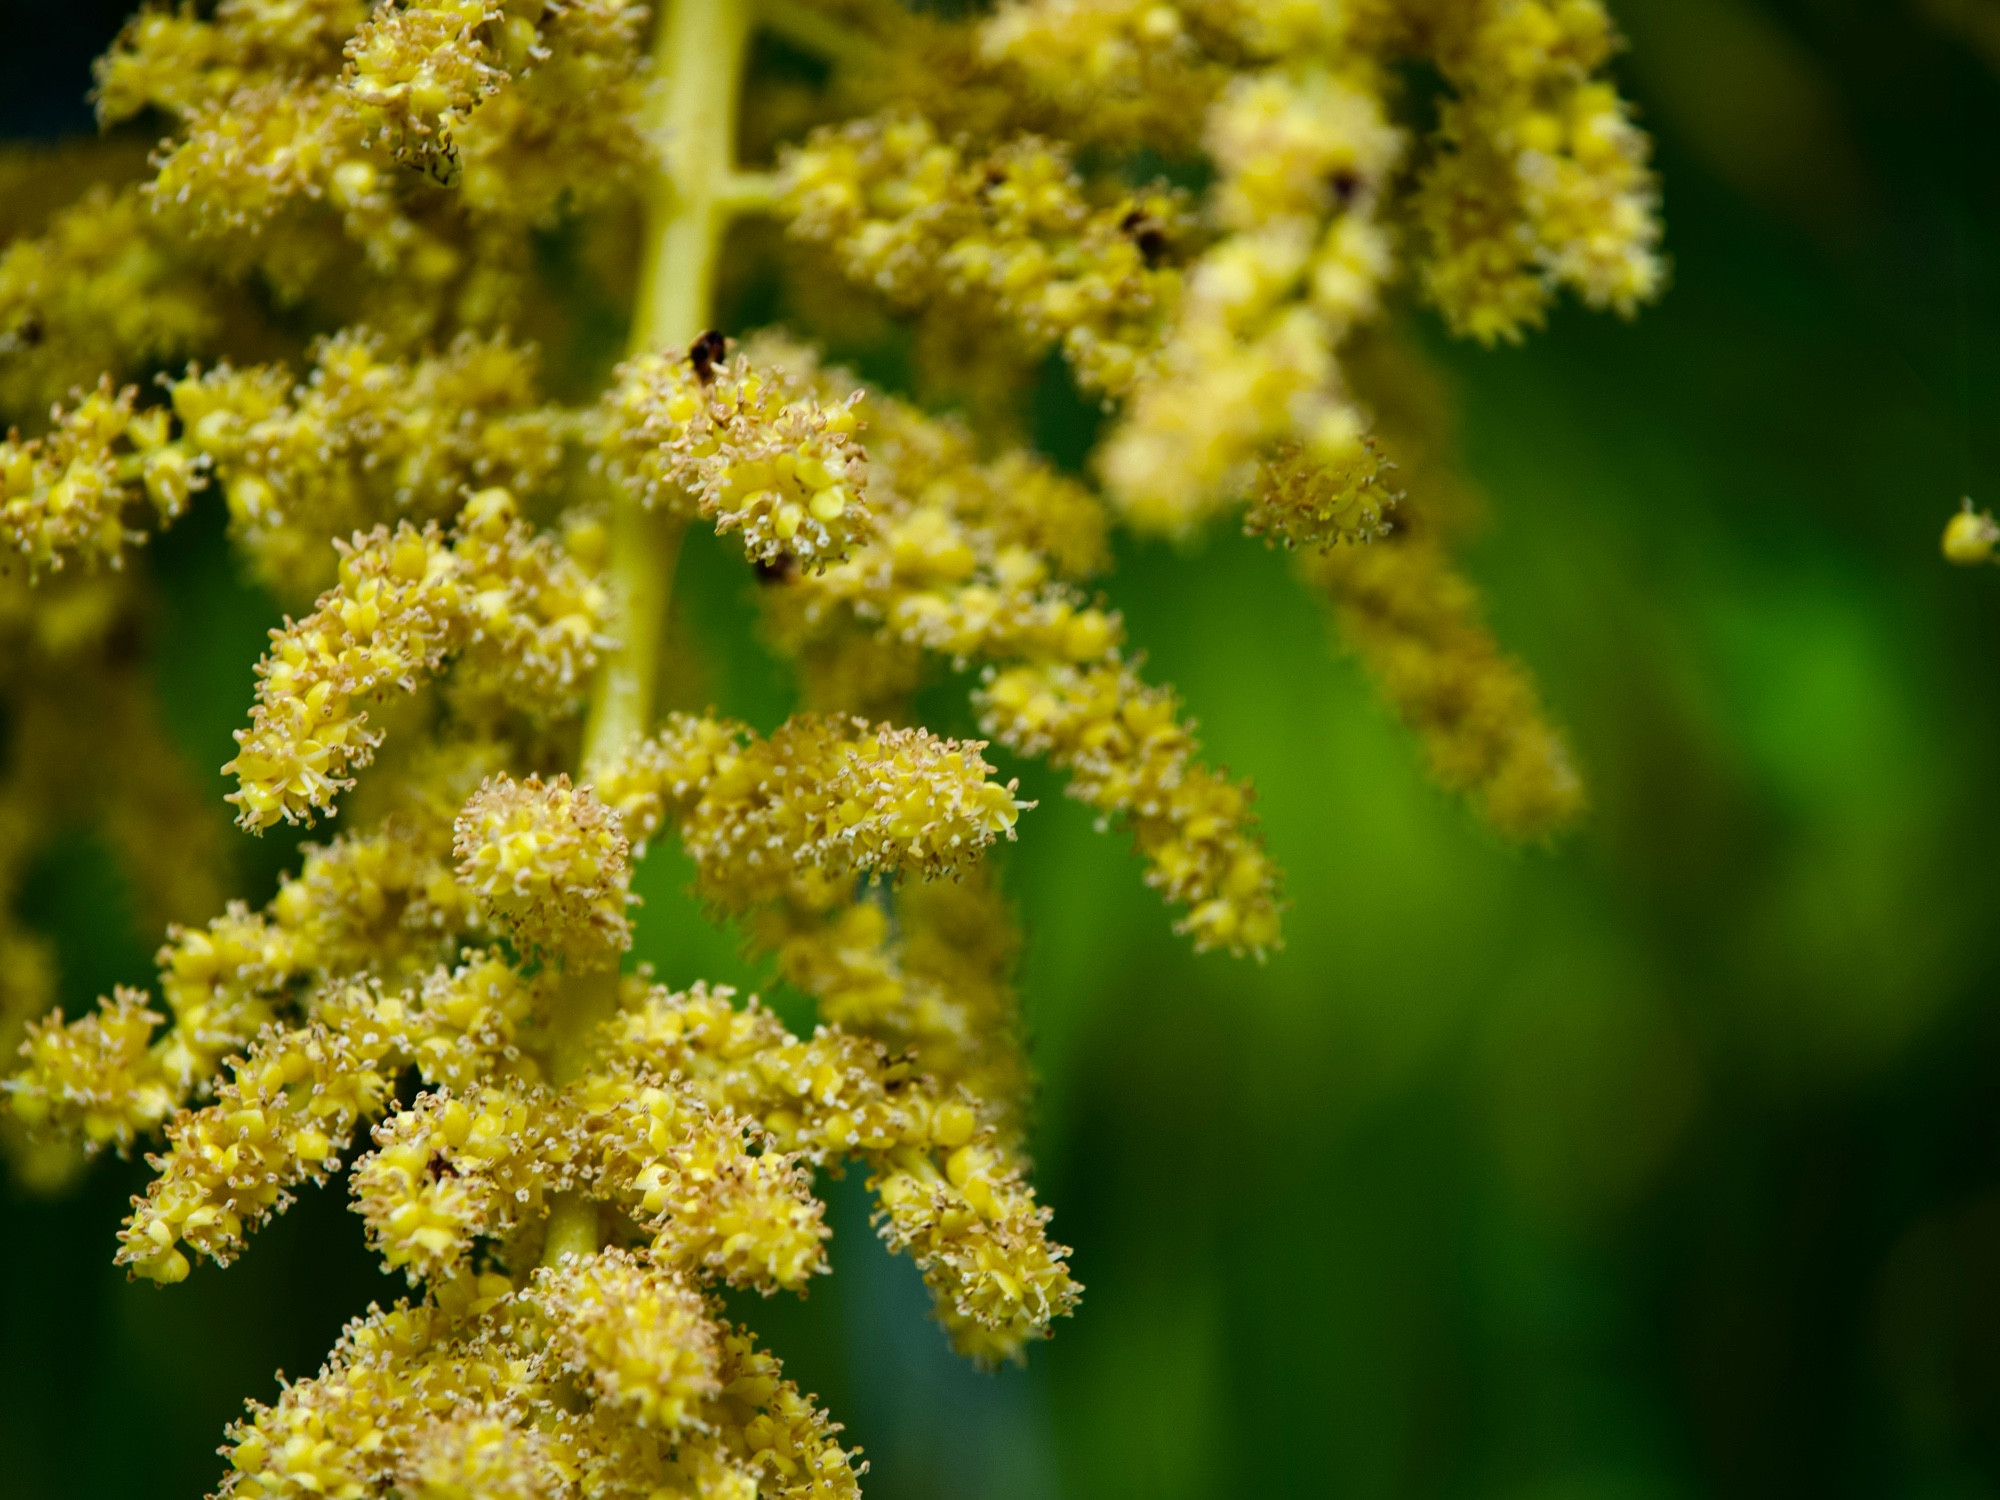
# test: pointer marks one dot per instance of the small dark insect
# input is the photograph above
(1345, 185)
(705, 353)
(30, 331)
(784, 570)
(439, 1167)
(995, 176)
(1148, 233)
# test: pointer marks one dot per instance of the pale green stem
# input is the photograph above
(698, 57)
(588, 1001)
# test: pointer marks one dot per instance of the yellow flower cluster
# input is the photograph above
(406, 600)
(1233, 388)
(824, 797)
(172, 61)
(535, 1400)
(967, 562)
(949, 1196)
(548, 863)
(282, 1119)
(784, 825)
(444, 1170)
(1014, 231)
(97, 1073)
(363, 440)
(421, 68)
(1304, 158)
(354, 202)
(101, 292)
(755, 452)
(83, 745)
(279, 108)
(716, 1194)
(1117, 71)
(639, 1337)
(294, 1099)
(1128, 753)
(65, 494)
(922, 968)
(1298, 502)
(1540, 181)
(381, 904)
(1414, 622)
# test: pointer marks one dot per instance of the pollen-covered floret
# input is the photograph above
(66, 495)
(1302, 503)
(419, 69)
(751, 449)
(1969, 537)
(640, 1337)
(287, 1113)
(446, 1171)
(830, 795)
(548, 862)
(406, 600)
(97, 1077)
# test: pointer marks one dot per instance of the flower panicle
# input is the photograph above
(752, 449)
(574, 1164)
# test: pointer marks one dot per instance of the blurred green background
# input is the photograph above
(1664, 1164)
